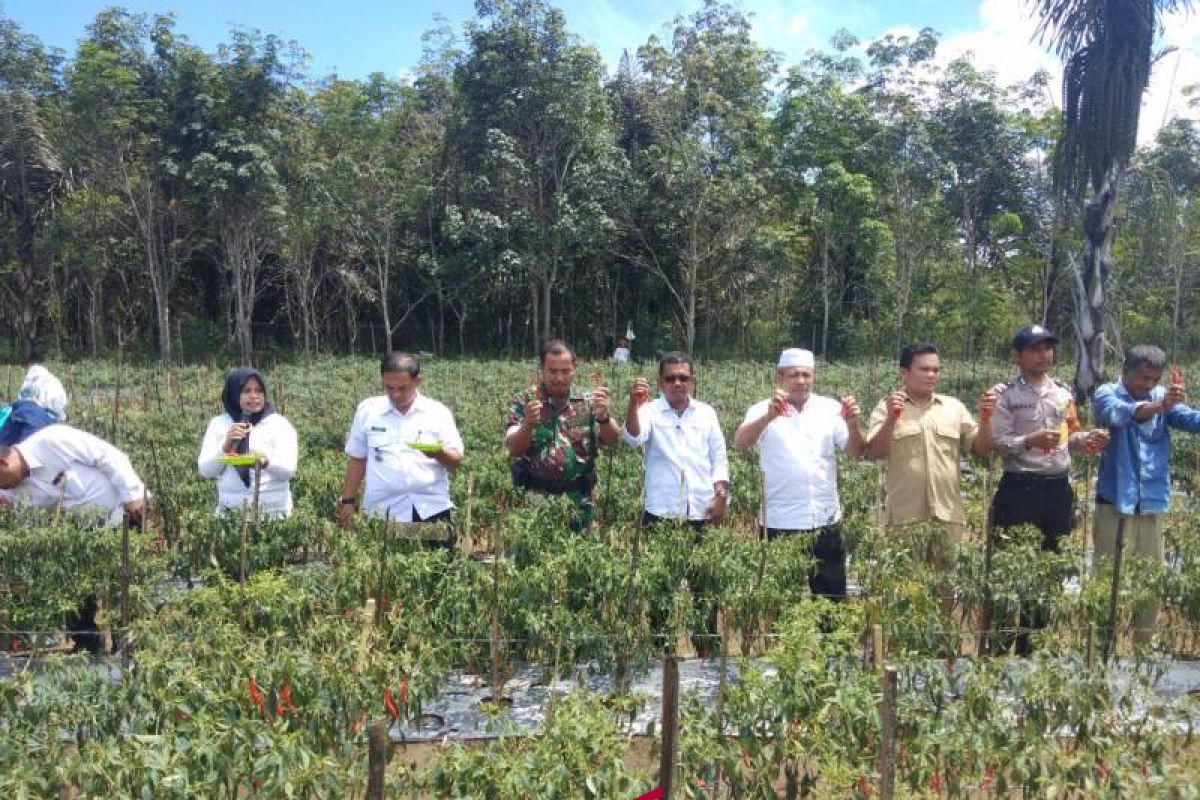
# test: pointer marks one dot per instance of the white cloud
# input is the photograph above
(1004, 43)
(797, 24)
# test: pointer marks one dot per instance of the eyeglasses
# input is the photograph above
(677, 379)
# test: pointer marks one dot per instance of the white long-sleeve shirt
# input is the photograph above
(84, 473)
(685, 456)
(275, 438)
(398, 477)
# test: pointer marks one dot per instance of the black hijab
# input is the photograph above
(231, 398)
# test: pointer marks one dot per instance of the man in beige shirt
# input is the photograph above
(922, 434)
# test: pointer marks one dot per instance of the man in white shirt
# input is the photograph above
(797, 433)
(64, 467)
(621, 352)
(405, 445)
(687, 472)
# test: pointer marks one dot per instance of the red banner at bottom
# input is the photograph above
(653, 794)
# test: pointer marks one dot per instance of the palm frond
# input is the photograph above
(1108, 49)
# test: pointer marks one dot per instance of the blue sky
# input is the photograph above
(356, 37)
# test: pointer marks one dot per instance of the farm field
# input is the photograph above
(266, 686)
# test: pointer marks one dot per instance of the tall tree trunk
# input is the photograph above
(534, 318)
(826, 294)
(1179, 236)
(1090, 282)
(547, 285)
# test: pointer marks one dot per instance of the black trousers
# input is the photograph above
(828, 578)
(1047, 503)
(84, 632)
(441, 516)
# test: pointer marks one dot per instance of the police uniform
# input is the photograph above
(1035, 489)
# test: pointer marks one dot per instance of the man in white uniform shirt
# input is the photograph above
(687, 472)
(405, 445)
(64, 467)
(797, 433)
(61, 466)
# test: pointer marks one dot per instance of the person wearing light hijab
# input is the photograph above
(250, 426)
(41, 401)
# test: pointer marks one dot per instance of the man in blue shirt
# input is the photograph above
(1135, 469)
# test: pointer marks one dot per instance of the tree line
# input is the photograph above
(160, 200)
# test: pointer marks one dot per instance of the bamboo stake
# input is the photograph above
(125, 595)
(384, 547)
(1119, 550)
(670, 725)
(630, 599)
(377, 757)
(887, 741)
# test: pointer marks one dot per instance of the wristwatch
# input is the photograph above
(346, 501)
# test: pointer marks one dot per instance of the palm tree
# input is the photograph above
(1107, 46)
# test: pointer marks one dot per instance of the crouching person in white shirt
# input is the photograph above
(85, 476)
(687, 471)
(64, 467)
(250, 427)
(404, 444)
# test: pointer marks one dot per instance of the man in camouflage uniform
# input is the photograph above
(554, 432)
(1034, 429)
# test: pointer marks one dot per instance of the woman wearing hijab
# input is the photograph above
(42, 401)
(250, 426)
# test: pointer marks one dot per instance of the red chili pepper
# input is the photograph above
(864, 786)
(286, 692)
(985, 413)
(257, 696)
(895, 413)
(390, 704)
(404, 691)
(1176, 375)
(745, 758)
(935, 783)
(847, 411)
(989, 777)
(1102, 768)
(357, 725)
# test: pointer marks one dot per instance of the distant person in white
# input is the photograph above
(798, 433)
(687, 471)
(250, 426)
(403, 483)
(621, 353)
(64, 467)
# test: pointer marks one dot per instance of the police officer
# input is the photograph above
(1034, 429)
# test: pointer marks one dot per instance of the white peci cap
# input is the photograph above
(795, 357)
